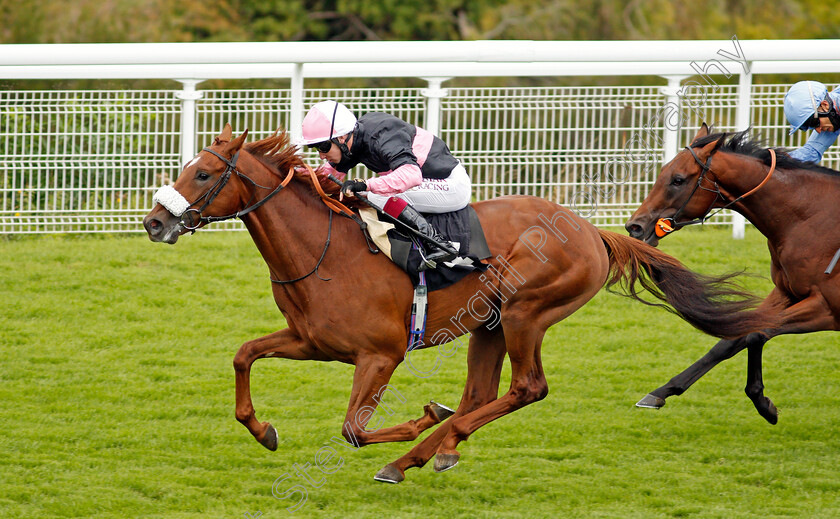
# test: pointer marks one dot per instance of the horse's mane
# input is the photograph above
(741, 144)
(279, 155)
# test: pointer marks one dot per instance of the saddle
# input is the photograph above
(461, 227)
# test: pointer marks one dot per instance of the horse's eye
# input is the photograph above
(677, 181)
(202, 176)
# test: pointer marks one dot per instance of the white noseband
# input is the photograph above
(171, 199)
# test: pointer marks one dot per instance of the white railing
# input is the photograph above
(88, 161)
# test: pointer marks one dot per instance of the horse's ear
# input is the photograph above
(236, 143)
(711, 147)
(225, 135)
(704, 131)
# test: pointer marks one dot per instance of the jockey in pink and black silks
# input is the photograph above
(416, 171)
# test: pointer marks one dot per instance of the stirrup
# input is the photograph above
(432, 260)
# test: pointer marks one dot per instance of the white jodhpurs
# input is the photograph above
(435, 195)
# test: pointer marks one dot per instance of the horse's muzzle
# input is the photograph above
(159, 231)
(645, 233)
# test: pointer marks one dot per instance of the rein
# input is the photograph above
(665, 226)
(335, 207)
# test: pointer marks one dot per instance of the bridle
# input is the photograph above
(665, 226)
(210, 195)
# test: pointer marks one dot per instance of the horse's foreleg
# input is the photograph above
(721, 351)
(485, 356)
(283, 344)
(808, 315)
(755, 382)
(371, 391)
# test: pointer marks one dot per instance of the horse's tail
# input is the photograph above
(714, 305)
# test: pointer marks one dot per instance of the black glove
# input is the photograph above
(349, 187)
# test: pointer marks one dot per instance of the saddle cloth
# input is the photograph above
(460, 227)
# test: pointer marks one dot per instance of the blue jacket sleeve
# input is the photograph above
(815, 146)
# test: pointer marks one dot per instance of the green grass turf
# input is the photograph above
(117, 394)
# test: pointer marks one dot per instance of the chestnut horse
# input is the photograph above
(786, 200)
(547, 263)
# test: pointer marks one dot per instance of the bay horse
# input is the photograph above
(786, 200)
(547, 263)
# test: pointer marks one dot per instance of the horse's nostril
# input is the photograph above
(153, 226)
(634, 230)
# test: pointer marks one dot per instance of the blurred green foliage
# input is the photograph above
(77, 21)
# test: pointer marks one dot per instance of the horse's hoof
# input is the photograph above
(389, 474)
(651, 402)
(440, 411)
(770, 413)
(444, 462)
(269, 440)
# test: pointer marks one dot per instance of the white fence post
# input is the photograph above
(188, 96)
(512, 139)
(296, 100)
(434, 94)
(743, 117)
(672, 136)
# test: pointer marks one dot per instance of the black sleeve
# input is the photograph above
(393, 147)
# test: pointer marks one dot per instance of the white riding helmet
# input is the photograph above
(802, 101)
(326, 120)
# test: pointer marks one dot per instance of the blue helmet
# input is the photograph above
(801, 102)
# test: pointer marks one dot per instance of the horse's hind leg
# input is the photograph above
(485, 358)
(283, 344)
(527, 385)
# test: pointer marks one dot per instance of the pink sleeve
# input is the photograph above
(398, 181)
(326, 169)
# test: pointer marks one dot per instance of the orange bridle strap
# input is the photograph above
(330, 202)
(770, 174)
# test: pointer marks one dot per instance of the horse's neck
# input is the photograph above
(290, 229)
(785, 198)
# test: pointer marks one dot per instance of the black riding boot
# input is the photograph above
(412, 218)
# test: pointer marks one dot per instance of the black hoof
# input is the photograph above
(389, 474)
(651, 402)
(769, 411)
(444, 462)
(269, 441)
(441, 411)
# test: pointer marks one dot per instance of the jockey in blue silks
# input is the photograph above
(810, 106)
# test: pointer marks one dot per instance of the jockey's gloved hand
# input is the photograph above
(350, 187)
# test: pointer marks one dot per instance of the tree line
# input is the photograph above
(103, 21)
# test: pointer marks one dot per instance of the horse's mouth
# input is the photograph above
(158, 232)
(173, 233)
(652, 239)
(645, 232)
